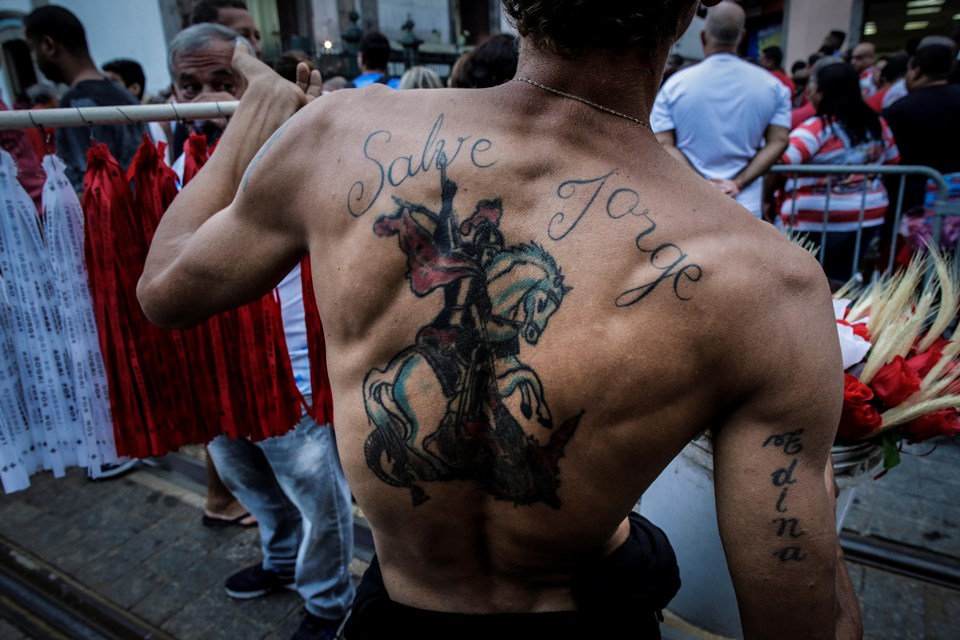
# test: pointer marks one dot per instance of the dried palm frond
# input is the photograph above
(907, 413)
(949, 300)
(892, 302)
(949, 353)
(803, 241)
(851, 289)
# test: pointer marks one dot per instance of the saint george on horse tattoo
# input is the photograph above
(459, 404)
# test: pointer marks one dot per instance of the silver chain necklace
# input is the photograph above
(599, 107)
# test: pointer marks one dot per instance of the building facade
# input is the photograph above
(141, 29)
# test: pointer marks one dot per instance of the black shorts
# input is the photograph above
(625, 590)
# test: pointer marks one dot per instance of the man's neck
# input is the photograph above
(626, 82)
(924, 82)
(714, 49)
(77, 71)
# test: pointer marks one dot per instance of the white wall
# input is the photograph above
(16, 5)
(505, 25)
(427, 15)
(129, 29)
(689, 45)
(808, 21)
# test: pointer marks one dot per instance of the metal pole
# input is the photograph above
(826, 220)
(863, 208)
(86, 116)
(898, 212)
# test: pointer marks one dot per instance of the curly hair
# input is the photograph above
(567, 27)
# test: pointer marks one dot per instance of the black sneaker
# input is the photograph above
(316, 628)
(256, 581)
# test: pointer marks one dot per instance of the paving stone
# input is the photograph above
(147, 552)
(285, 629)
(172, 562)
(131, 586)
(941, 607)
(209, 574)
(271, 608)
(207, 618)
(166, 599)
(15, 512)
(857, 518)
(856, 572)
(10, 632)
(892, 607)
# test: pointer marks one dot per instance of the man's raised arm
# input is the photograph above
(216, 248)
(776, 517)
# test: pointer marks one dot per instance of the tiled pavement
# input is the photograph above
(137, 543)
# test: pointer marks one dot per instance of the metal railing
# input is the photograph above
(942, 207)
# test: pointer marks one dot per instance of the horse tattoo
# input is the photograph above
(454, 405)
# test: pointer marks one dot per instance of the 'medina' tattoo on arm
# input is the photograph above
(787, 529)
(272, 140)
(394, 170)
(493, 404)
(673, 264)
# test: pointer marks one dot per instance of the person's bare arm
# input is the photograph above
(215, 247)
(668, 140)
(776, 518)
(776, 139)
(849, 622)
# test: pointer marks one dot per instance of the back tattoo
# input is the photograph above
(494, 297)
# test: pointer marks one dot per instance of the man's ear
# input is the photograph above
(135, 89)
(48, 46)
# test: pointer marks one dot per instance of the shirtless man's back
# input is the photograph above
(530, 309)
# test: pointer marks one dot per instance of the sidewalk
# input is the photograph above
(135, 545)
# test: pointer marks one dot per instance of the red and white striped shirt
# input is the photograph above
(814, 143)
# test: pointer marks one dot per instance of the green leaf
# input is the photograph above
(891, 452)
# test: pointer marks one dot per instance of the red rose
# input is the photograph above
(895, 382)
(859, 418)
(945, 422)
(859, 329)
(854, 391)
(923, 362)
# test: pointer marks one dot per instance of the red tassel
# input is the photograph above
(169, 388)
(254, 394)
(109, 243)
(322, 409)
(195, 155)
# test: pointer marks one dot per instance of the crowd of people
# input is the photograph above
(724, 118)
(836, 108)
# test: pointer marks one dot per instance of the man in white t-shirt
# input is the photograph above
(724, 117)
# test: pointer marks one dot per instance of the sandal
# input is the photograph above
(243, 520)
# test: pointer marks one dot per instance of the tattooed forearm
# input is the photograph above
(437, 150)
(670, 261)
(786, 528)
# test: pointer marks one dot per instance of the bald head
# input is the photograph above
(943, 41)
(724, 26)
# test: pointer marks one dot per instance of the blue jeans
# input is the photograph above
(295, 487)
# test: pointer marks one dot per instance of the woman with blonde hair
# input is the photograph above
(420, 78)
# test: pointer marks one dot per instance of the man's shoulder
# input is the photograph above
(763, 284)
(103, 93)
